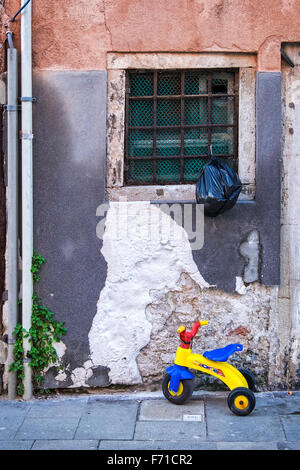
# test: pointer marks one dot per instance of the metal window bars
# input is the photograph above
(171, 120)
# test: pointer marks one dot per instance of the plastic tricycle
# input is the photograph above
(178, 382)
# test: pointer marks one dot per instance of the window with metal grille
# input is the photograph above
(172, 118)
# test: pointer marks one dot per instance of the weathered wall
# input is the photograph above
(77, 34)
(247, 317)
(122, 298)
(153, 285)
(289, 293)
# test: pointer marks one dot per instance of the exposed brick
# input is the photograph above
(240, 330)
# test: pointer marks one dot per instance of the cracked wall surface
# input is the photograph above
(105, 290)
(153, 285)
(250, 251)
(246, 318)
(120, 293)
(145, 249)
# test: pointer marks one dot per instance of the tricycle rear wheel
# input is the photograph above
(185, 390)
(249, 378)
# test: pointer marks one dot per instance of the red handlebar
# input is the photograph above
(186, 337)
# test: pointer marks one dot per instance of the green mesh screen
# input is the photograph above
(169, 83)
(172, 119)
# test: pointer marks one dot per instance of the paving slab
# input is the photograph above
(55, 444)
(47, 428)
(108, 420)
(291, 425)
(291, 445)
(9, 425)
(163, 410)
(14, 408)
(169, 430)
(287, 404)
(223, 426)
(247, 446)
(265, 405)
(16, 445)
(58, 409)
(157, 445)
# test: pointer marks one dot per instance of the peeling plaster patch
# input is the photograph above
(250, 252)
(64, 372)
(140, 258)
(61, 377)
(80, 376)
(240, 287)
(60, 349)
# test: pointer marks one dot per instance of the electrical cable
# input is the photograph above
(19, 11)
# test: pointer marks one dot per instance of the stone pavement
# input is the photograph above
(146, 421)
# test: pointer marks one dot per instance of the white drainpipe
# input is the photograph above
(27, 188)
(12, 205)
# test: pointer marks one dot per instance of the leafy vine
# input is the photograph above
(44, 331)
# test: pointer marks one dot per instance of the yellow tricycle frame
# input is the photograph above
(221, 370)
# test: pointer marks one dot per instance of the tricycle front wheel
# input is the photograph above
(241, 401)
(185, 390)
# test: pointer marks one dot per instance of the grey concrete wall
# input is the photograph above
(69, 184)
(220, 259)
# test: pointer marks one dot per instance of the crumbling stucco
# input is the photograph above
(250, 251)
(233, 318)
(141, 257)
(247, 122)
(115, 127)
(153, 286)
(178, 60)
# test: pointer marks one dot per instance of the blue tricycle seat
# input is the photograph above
(222, 354)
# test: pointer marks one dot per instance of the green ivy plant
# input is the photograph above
(44, 331)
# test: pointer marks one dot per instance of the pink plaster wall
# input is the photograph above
(76, 34)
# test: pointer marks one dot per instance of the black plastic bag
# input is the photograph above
(218, 187)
